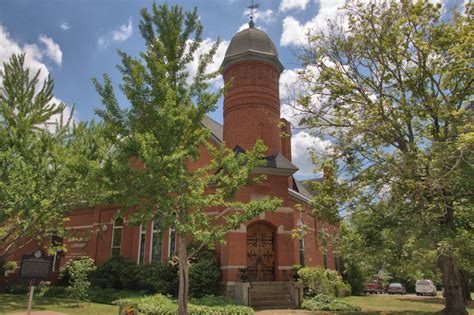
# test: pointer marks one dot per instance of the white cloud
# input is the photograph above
(120, 35)
(65, 26)
(291, 88)
(266, 17)
(33, 61)
(124, 32)
(294, 32)
(246, 26)
(289, 83)
(243, 27)
(286, 5)
(302, 144)
(53, 51)
(206, 45)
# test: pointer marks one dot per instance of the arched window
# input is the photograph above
(156, 242)
(141, 245)
(117, 237)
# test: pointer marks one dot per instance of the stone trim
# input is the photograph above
(232, 267)
(281, 230)
(79, 227)
(285, 267)
(284, 210)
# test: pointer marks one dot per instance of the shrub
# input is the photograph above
(21, 288)
(203, 278)
(10, 265)
(162, 305)
(78, 272)
(355, 277)
(342, 289)
(159, 277)
(317, 280)
(117, 273)
(294, 272)
(322, 302)
(53, 292)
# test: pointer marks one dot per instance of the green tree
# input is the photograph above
(46, 167)
(389, 83)
(78, 272)
(159, 139)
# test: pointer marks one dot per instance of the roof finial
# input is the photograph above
(252, 13)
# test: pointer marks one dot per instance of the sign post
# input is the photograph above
(36, 266)
(30, 299)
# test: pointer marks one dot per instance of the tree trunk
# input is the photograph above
(466, 284)
(183, 276)
(455, 302)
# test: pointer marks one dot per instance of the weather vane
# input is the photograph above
(252, 12)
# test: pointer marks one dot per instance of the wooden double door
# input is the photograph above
(260, 252)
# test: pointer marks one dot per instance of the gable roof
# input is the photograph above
(217, 130)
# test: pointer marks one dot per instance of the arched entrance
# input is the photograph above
(260, 252)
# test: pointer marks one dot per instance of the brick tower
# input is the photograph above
(252, 104)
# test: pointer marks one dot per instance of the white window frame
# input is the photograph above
(169, 241)
(140, 232)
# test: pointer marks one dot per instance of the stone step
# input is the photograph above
(272, 303)
(270, 283)
(278, 307)
(269, 297)
(268, 290)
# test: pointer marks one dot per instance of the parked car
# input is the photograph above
(425, 287)
(375, 287)
(396, 288)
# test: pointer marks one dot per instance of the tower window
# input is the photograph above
(117, 237)
(156, 242)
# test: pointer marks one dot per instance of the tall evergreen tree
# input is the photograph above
(155, 169)
(391, 85)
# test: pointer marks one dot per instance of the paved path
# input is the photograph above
(39, 313)
(282, 312)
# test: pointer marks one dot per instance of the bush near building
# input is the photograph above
(323, 289)
(317, 280)
(162, 305)
(78, 272)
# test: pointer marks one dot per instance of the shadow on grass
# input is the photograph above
(439, 301)
(19, 303)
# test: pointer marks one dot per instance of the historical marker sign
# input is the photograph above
(36, 266)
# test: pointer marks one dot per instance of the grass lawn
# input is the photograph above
(18, 303)
(396, 303)
(371, 305)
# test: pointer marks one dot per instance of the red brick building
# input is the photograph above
(264, 245)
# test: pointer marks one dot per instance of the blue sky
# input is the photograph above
(75, 41)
